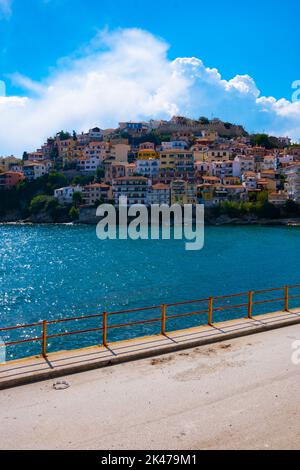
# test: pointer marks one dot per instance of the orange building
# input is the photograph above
(9, 179)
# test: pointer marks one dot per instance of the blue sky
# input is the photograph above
(42, 41)
(260, 40)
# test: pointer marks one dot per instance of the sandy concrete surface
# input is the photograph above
(242, 393)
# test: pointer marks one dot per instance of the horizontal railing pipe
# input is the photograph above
(164, 316)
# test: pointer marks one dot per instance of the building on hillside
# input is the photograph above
(135, 188)
(292, 184)
(89, 164)
(211, 180)
(114, 170)
(174, 145)
(99, 150)
(65, 147)
(147, 146)
(65, 195)
(35, 156)
(95, 134)
(242, 164)
(183, 192)
(266, 184)
(180, 162)
(231, 180)
(218, 154)
(249, 180)
(119, 152)
(149, 167)
(159, 194)
(35, 170)
(222, 169)
(270, 162)
(96, 193)
(278, 198)
(147, 154)
(294, 151)
(9, 179)
(7, 162)
(133, 127)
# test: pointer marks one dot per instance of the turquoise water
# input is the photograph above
(51, 272)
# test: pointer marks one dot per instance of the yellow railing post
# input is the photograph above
(250, 304)
(105, 329)
(44, 341)
(163, 319)
(286, 298)
(210, 311)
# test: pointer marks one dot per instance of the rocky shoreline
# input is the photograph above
(219, 221)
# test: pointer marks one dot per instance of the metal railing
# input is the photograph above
(211, 307)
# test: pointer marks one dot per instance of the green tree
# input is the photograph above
(77, 198)
(64, 135)
(203, 120)
(74, 213)
(39, 204)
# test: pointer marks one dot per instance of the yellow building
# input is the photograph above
(119, 152)
(183, 192)
(7, 162)
(147, 154)
(167, 159)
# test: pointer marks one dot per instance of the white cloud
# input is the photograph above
(5, 8)
(127, 75)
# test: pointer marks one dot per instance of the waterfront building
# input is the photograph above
(183, 192)
(159, 194)
(96, 192)
(135, 188)
(292, 185)
(65, 195)
(278, 198)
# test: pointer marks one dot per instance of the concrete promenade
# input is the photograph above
(241, 393)
(58, 364)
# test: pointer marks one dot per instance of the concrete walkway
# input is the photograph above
(68, 362)
(237, 394)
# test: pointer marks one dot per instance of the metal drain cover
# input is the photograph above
(62, 385)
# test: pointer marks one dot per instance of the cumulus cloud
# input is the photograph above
(126, 74)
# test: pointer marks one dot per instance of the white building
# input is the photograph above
(65, 195)
(159, 194)
(174, 145)
(95, 134)
(241, 164)
(89, 164)
(34, 170)
(148, 168)
(222, 169)
(249, 181)
(292, 185)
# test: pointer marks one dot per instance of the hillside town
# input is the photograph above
(157, 162)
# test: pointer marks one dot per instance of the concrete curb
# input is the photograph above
(166, 349)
